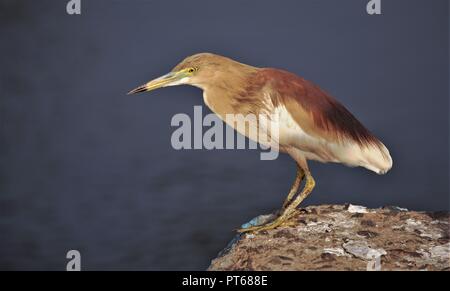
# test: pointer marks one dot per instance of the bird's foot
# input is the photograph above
(259, 221)
(283, 219)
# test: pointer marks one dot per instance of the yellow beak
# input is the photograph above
(169, 79)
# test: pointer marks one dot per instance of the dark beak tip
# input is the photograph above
(137, 90)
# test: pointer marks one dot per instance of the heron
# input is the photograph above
(312, 124)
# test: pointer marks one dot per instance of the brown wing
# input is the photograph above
(317, 113)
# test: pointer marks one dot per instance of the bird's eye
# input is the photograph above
(191, 70)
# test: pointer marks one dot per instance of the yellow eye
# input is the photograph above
(191, 70)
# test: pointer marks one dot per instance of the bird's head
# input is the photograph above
(198, 70)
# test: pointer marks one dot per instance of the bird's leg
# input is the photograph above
(289, 210)
(309, 186)
(294, 188)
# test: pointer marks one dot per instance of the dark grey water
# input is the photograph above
(83, 166)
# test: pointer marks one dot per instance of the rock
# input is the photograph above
(340, 252)
(395, 209)
(441, 252)
(356, 209)
(362, 250)
(335, 237)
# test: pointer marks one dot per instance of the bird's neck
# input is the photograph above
(225, 90)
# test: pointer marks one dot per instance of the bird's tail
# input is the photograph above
(377, 158)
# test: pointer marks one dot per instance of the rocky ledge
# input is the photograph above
(344, 237)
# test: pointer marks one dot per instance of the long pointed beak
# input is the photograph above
(169, 79)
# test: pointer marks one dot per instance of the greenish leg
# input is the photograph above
(289, 210)
(294, 188)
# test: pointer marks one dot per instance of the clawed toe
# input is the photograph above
(284, 219)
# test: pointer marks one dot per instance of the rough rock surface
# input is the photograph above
(337, 237)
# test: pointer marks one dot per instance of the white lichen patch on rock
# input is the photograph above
(441, 252)
(362, 250)
(317, 227)
(422, 230)
(356, 209)
(340, 252)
